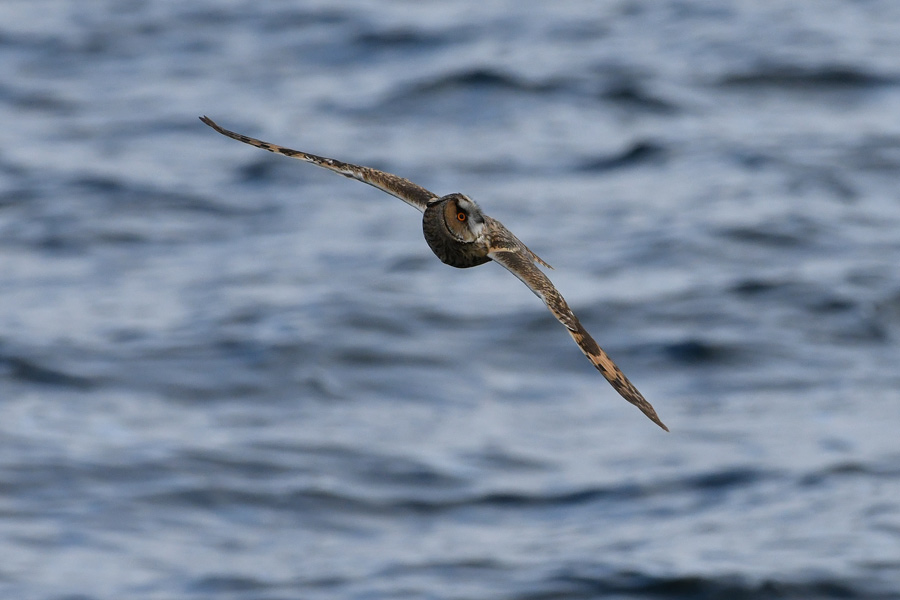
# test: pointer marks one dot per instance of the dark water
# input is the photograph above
(225, 374)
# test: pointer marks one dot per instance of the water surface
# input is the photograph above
(226, 374)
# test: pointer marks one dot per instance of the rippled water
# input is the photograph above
(226, 374)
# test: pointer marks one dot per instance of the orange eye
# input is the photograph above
(461, 216)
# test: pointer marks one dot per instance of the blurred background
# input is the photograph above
(226, 374)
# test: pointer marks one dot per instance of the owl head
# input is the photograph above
(461, 217)
(454, 227)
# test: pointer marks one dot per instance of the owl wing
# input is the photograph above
(404, 189)
(516, 261)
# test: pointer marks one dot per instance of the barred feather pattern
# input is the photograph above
(517, 262)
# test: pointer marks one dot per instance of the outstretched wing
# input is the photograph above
(522, 266)
(404, 189)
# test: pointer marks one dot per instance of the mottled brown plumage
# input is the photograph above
(460, 235)
(402, 188)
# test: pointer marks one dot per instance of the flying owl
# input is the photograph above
(462, 236)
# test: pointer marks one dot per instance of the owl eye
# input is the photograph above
(461, 216)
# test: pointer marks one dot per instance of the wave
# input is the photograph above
(632, 96)
(484, 78)
(637, 154)
(27, 370)
(428, 491)
(573, 583)
(806, 78)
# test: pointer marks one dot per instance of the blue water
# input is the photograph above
(226, 374)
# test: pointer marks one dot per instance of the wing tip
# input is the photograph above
(648, 410)
(207, 121)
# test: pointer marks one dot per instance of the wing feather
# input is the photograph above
(522, 266)
(406, 190)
